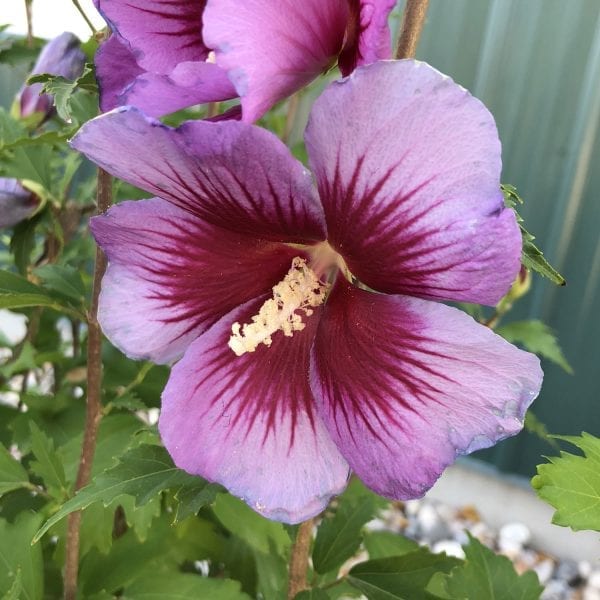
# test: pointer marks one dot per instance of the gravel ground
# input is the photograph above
(443, 529)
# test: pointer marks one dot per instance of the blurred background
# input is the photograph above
(536, 65)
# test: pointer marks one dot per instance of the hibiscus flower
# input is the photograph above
(308, 319)
(165, 55)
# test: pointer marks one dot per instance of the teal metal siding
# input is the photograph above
(536, 65)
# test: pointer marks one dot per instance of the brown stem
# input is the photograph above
(412, 25)
(212, 109)
(29, 16)
(85, 17)
(93, 404)
(299, 559)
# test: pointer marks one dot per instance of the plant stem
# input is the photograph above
(412, 25)
(85, 17)
(290, 118)
(29, 16)
(93, 404)
(299, 559)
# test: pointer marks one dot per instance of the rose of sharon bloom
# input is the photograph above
(309, 321)
(60, 56)
(16, 203)
(159, 56)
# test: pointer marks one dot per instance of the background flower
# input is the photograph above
(60, 56)
(16, 203)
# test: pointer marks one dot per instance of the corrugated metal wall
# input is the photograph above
(536, 65)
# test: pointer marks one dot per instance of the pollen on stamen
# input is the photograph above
(293, 298)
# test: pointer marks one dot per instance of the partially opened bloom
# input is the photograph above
(159, 56)
(16, 203)
(60, 56)
(312, 338)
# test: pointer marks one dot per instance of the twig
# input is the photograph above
(412, 25)
(85, 17)
(299, 559)
(29, 16)
(93, 405)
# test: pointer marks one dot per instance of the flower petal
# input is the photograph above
(248, 422)
(162, 33)
(171, 276)
(228, 173)
(408, 169)
(405, 385)
(112, 81)
(189, 83)
(16, 203)
(271, 48)
(372, 40)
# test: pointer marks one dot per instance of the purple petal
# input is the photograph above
(230, 174)
(60, 56)
(408, 168)
(116, 69)
(405, 385)
(162, 33)
(189, 83)
(16, 203)
(271, 49)
(248, 422)
(171, 276)
(369, 38)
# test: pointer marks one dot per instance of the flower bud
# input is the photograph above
(16, 203)
(60, 56)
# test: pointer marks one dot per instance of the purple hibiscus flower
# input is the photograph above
(60, 56)
(158, 57)
(312, 338)
(16, 203)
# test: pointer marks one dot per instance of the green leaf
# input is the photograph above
(242, 521)
(17, 554)
(402, 577)
(489, 576)
(339, 536)
(191, 498)
(16, 590)
(12, 474)
(183, 586)
(531, 257)
(384, 544)
(48, 465)
(314, 594)
(571, 484)
(142, 472)
(535, 426)
(64, 280)
(537, 338)
(22, 243)
(63, 89)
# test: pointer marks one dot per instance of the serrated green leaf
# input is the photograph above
(339, 536)
(538, 338)
(12, 474)
(191, 498)
(402, 577)
(142, 472)
(16, 554)
(63, 89)
(48, 464)
(531, 256)
(488, 576)
(571, 484)
(242, 521)
(384, 544)
(64, 280)
(182, 586)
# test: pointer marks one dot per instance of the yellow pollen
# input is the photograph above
(293, 297)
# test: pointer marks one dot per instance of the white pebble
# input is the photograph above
(585, 568)
(544, 570)
(591, 593)
(450, 547)
(515, 533)
(594, 580)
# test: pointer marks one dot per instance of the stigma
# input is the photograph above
(294, 298)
